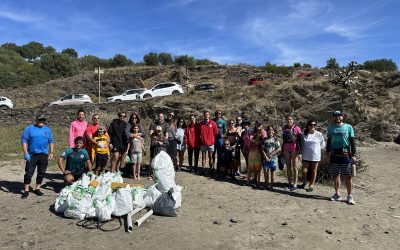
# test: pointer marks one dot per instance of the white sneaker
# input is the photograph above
(336, 197)
(350, 200)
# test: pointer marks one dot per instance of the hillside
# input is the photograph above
(374, 113)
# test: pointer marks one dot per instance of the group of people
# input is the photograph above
(221, 144)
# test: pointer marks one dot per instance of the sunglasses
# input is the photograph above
(42, 120)
(231, 123)
(313, 124)
(122, 116)
(96, 118)
(227, 144)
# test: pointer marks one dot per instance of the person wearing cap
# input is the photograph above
(208, 134)
(77, 161)
(100, 152)
(91, 132)
(341, 150)
(160, 121)
(77, 127)
(36, 141)
(159, 141)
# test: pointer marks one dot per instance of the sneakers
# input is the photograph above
(309, 189)
(350, 200)
(25, 195)
(38, 192)
(336, 197)
(293, 188)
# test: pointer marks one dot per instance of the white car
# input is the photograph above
(74, 99)
(162, 89)
(6, 103)
(128, 95)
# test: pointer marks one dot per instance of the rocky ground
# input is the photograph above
(223, 215)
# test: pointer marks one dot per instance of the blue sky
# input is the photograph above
(225, 31)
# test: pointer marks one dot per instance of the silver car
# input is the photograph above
(74, 99)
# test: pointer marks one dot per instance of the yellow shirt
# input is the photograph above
(96, 149)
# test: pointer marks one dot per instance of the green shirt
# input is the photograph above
(340, 136)
(76, 160)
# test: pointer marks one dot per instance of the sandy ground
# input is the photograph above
(222, 215)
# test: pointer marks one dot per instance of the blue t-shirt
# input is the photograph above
(340, 136)
(38, 139)
(221, 124)
(76, 160)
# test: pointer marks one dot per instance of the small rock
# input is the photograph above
(386, 232)
(219, 206)
(284, 224)
(328, 231)
(217, 222)
(233, 220)
(392, 207)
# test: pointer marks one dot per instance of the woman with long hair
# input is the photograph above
(180, 145)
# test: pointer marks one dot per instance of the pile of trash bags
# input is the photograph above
(107, 195)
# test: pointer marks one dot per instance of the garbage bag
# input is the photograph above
(137, 197)
(151, 195)
(102, 191)
(164, 205)
(123, 201)
(177, 195)
(163, 170)
(104, 208)
(77, 209)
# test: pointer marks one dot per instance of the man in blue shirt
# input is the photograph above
(341, 149)
(36, 141)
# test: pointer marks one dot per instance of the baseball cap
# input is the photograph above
(337, 113)
(40, 117)
(258, 122)
(158, 128)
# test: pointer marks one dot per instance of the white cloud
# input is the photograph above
(23, 18)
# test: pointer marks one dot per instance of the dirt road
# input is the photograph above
(222, 215)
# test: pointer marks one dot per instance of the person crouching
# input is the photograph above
(77, 161)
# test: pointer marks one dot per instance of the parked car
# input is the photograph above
(162, 89)
(205, 86)
(128, 95)
(74, 99)
(6, 103)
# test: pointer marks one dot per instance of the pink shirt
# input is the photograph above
(261, 137)
(291, 147)
(76, 129)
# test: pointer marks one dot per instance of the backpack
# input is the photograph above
(288, 135)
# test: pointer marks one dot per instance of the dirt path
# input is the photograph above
(222, 215)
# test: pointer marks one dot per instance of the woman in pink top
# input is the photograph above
(77, 128)
(291, 134)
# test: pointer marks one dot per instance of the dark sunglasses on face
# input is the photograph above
(122, 116)
(42, 120)
(96, 118)
(313, 124)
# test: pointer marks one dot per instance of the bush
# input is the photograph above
(380, 65)
(332, 64)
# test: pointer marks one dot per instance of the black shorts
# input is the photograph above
(310, 161)
(118, 149)
(101, 161)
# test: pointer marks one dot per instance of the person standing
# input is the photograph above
(341, 149)
(134, 120)
(36, 140)
(91, 132)
(172, 140)
(100, 151)
(245, 140)
(118, 141)
(180, 133)
(291, 139)
(208, 134)
(255, 153)
(312, 142)
(192, 140)
(136, 151)
(77, 127)
(271, 148)
(222, 127)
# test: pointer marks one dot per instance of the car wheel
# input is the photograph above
(175, 92)
(147, 96)
(86, 102)
(4, 107)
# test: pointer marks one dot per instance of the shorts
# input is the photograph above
(310, 161)
(136, 157)
(101, 161)
(118, 149)
(254, 162)
(340, 165)
(269, 165)
(205, 148)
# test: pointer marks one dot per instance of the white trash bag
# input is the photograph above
(151, 195)
(137, 197)
(163, 170)
(104, 208)
(123, 201)
(177, 195)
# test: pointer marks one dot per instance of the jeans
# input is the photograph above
(39, 160)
